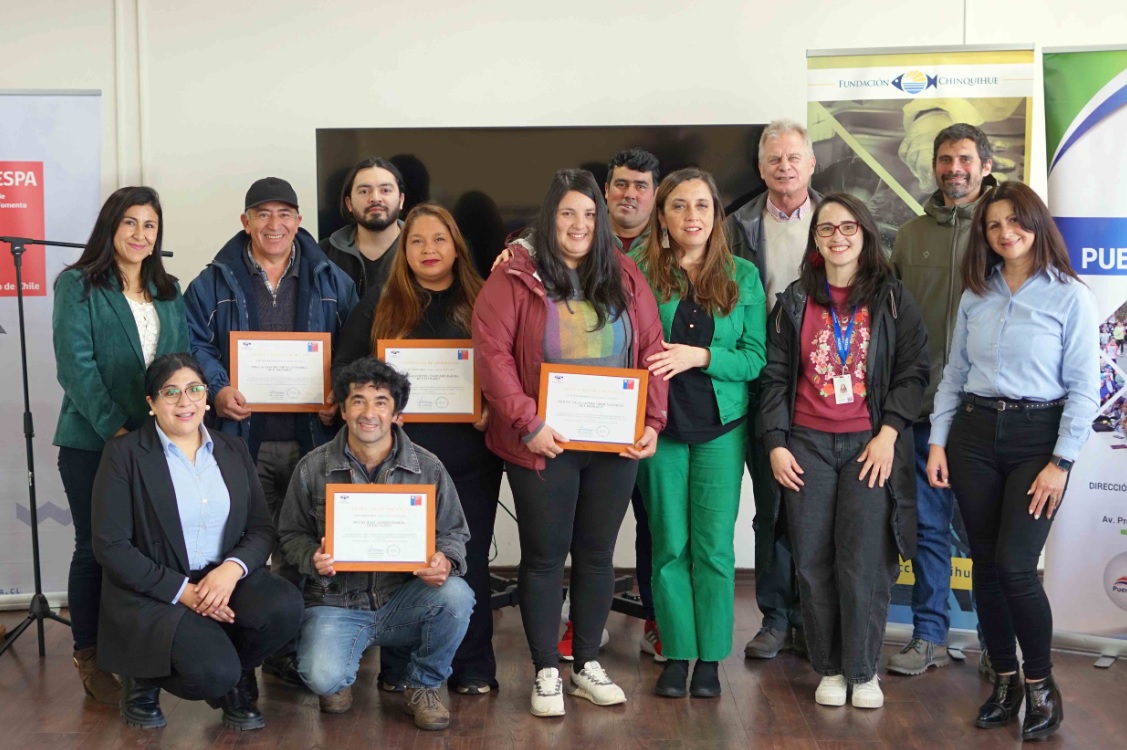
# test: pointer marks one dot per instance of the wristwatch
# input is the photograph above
(1061, 463)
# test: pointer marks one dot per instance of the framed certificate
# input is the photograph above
(281, 371)
(380, 527)
(595, 408)
(444, 385)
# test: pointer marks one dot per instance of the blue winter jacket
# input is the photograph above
(218, 302)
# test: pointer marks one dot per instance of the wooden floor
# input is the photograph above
(766, 704)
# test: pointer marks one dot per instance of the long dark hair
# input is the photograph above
(600, 275)
(98, 264)
(715, 288)
(1049, 250)
(403, 302)
(872, 267)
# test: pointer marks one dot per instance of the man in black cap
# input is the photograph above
(271, 276)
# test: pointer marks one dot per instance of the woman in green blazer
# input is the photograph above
(116, 310)
(713, 318)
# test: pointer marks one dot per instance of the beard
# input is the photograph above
(377, 223)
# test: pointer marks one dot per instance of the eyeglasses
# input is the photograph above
(848, 229)
(171, 394)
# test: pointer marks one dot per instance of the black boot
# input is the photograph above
(671, 684)
(706, 680)
(239, 709)
(140, 704)
(1001, 708)
(1044, 709)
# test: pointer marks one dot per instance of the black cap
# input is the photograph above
(270, 189)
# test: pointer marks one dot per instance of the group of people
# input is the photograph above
(781, 337)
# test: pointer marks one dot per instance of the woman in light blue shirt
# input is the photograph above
(1014, 407)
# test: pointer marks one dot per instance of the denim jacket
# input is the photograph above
(302, 522)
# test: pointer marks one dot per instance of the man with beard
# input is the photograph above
(771, 232)
(371, 200)
(928, 254)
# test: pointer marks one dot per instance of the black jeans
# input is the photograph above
(208, 657)
(844, 552)
(84, 584)
(643, 553)
(575, 504)
(993, 458)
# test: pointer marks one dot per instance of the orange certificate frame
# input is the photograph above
(428, 395)
(590, 408)
(376, 524)
(286, 384)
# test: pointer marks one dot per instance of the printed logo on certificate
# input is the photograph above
(595, 408)
(379, 527)
(281, 371)
(444, 385)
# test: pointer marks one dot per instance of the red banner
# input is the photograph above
(21, 215)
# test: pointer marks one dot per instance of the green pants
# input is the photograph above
(692, 493)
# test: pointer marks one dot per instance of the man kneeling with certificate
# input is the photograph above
(346, 612)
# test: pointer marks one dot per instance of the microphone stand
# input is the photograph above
(40, 609)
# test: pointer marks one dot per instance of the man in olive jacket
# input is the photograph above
(927, 255)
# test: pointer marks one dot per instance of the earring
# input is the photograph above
(207, 407)
(816, 259)
(152, 413)
(665, 238)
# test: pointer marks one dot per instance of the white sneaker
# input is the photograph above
(831, 691)
(868, 694)
(547, 693)
(593, 684)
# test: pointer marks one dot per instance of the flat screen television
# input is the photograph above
(494, 179)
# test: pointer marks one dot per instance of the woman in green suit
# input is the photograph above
(713, 318)
(116, 310)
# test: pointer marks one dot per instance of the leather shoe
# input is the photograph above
(1002, 705)
(706, 680)
(140, 704)
(674, 674)
(239, 710)
(284, 668)
(1044, 709)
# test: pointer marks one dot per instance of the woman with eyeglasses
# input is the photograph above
(182, 531)
(116, 309)
(845, 378)
(1013, 410)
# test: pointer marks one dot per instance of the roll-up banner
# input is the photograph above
(873, 116)
(1086, 140)
(50, 173)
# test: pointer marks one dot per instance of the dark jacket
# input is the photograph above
(928, 255)
(139, 543)
(744, 230)
(220, 300)
(508, 337)
(302, 523)
(896, 375)
(340, 248)
(100, 364)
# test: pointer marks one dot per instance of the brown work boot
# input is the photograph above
(427, 708)
(338, 702)
(99, 684)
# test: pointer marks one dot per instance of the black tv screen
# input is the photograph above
(493, 179)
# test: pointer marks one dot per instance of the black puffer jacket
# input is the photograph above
(896, 376)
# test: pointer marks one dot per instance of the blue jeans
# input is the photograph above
(426, 620)
(932, 564)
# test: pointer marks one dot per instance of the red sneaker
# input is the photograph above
(650, 642)
(565, 645)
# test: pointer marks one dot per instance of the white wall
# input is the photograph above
(201, 98)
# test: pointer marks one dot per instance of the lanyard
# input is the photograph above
(842, 340)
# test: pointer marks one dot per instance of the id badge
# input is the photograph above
(843, 389)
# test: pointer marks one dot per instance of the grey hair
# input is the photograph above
(780, 127)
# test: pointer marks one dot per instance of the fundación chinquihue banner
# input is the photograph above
(50, 173)
(1086, 137)
(873, 116)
